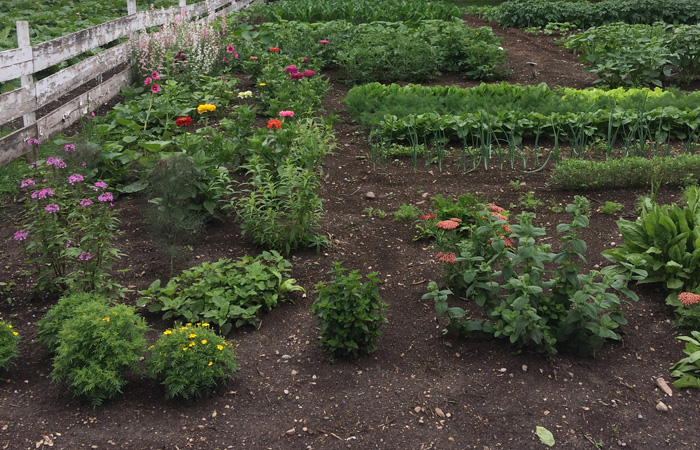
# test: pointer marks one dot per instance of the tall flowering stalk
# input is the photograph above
(67, 231)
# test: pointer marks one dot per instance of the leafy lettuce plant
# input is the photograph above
(224, 293)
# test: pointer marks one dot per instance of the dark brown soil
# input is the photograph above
(490, 397)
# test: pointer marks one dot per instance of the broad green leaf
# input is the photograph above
(545, 436)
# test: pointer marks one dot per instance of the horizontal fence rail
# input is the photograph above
(26, 60)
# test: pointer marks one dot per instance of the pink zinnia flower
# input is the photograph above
(253, 57)
(447, 224)
(155, 88)
(305, 59)
(225, 59)
(75, 178)
(85, 202)
(147, 81)
(27, 182)
(105, 197)
(230, 49)
(296, 76)
(52, 208)
(291, 69)
(688, 298)
(286, 113)
(20, 235)
(309, 73)
(235, 55)
(324, 42)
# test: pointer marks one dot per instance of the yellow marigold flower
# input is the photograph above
(188, 324)
(167, 332)
(192, 336)
(192, 344)
(205, 324)
(150, 347)
(14, 333)
(210, 363)
(220, 347)
(9, 326)
(106, 319)
(184, 349)
(204, 342)
(262, 84)
(206, 108)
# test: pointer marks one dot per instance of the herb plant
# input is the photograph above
(52, 322)
(688, 368)
(225, 292)
(95, 349)
(350, 313)
(190, 361)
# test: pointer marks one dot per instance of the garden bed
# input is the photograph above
(420, 389)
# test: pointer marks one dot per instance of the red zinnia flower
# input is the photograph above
(274, 49)
(274, 124)
(688, 298)
(183, 121)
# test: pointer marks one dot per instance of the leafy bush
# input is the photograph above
(350, 313)
(688, 368)
(9, 344)
(281, 208)
(663, 243)
(191, 360)
(52, 322)
(360, 11)
(531, 296)
(225, 292)
(539, 13)
(96, 346)
(575, 174)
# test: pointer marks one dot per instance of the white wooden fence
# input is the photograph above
(26, 60)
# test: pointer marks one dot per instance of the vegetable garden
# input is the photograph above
(277, 238)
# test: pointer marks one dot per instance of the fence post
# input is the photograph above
(131, 7)
(27, 82)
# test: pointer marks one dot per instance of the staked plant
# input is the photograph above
(350, 313)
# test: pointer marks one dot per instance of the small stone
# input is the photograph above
(640, 416)
(660, 382)
(294, 372)
(286, 392)
(524, 368)
(503, 370)
(448, 344)
(370, 195)
(439, 412)
(661, 406)
(416, 409)
(286, 357)
(291, 431)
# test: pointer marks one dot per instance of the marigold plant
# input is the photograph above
(191, 360)
(9, 344)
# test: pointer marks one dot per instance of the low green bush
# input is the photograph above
(48, 327)
(95, 349)
(9, 344)
(190, 361)
(350, 313)
(225, 292)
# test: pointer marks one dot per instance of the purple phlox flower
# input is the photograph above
(68, 243)
(85, 256)
(46, 192)
(85, 202)
(58, 162)
(27, 182)
(101, 185)
(309, 73)
(52, 208)
(75, 178)
(20, 235)
(35, 164)
(69, 147)
(291, 69)
(296, 76)
(106, 197)
(84, 164)
(33, 141)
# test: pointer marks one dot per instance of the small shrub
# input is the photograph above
(688, 368)
(611, 208)
(529, 202)
(225, 292)
(96, 347)
(9, 344)
(52, 322)
(191, 360)
(350, 313)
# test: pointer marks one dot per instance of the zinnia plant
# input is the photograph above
(201, 109)
(274, 124)
(183, 121)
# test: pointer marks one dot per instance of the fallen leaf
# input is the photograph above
(545, 436)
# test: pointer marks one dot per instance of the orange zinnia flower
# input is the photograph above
(274, 124)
